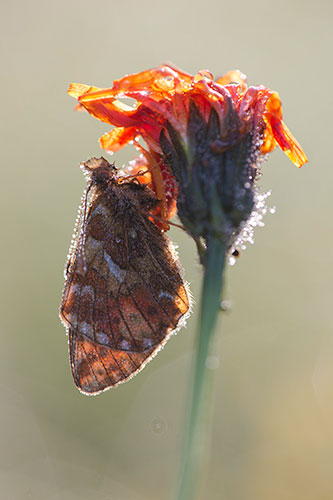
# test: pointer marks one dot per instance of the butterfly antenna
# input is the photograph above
(140, 172)
(165, 221)
(152, 163)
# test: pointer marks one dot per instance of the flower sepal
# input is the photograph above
(215, 173)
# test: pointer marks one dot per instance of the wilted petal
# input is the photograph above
(79, 89)
(277, 132)
(118, 138)
(233, 76)
(287, 141)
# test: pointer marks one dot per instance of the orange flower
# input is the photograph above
(164, 98)
(163, 95)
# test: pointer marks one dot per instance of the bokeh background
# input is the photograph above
(272, 435)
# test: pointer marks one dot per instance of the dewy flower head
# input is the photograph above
(205, 140)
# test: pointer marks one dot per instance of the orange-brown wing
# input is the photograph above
(123, 298)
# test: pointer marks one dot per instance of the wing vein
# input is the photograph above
(154, 297)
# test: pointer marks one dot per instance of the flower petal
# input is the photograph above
(234, 76)
(78, 89)
(118, 138)
(278, 133)
(287, 141)
(107, 109)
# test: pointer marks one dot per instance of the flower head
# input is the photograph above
(205, 140)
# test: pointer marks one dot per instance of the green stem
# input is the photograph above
(196, 428)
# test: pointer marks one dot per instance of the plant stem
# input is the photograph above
(198, 417)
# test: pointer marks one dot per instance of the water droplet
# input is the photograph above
(225, 305)
(246, 233)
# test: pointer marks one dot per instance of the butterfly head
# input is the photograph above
(124, 191)
(99, 172)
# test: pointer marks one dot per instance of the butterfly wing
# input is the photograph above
(123, 298)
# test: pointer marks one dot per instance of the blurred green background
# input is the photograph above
(272, 434)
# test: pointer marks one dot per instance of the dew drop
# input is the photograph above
(225, 305)
(246, 233)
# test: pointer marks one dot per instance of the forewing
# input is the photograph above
(123, 298)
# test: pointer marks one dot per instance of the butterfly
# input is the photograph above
(124, 294)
